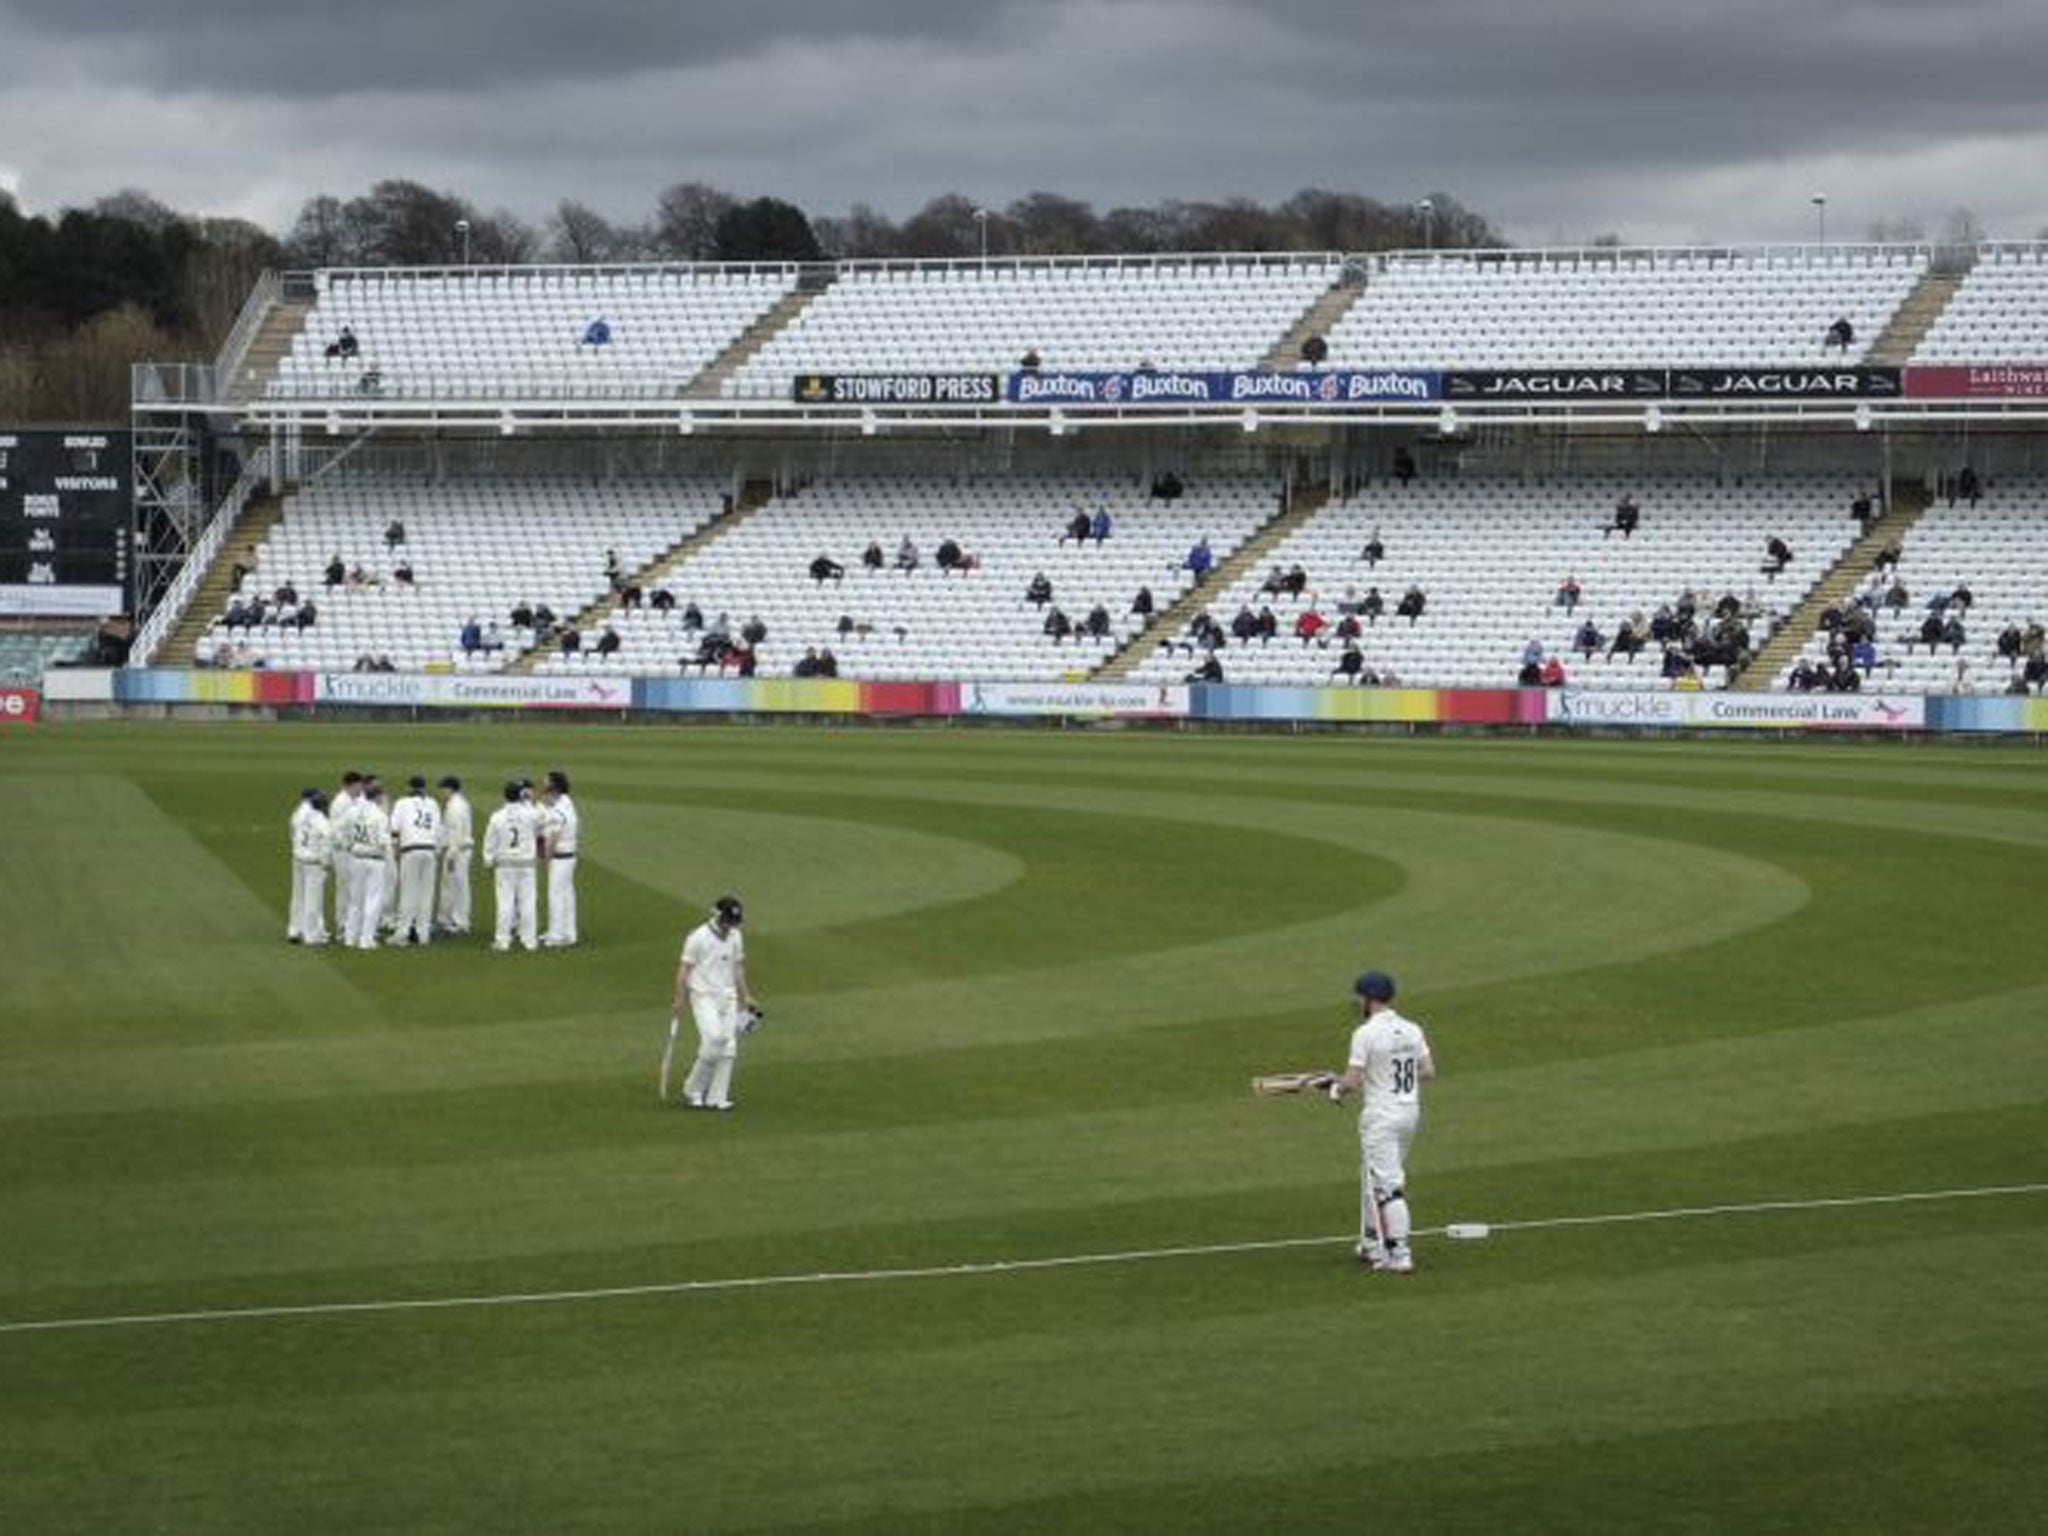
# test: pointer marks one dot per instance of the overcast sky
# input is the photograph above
(1661, 120)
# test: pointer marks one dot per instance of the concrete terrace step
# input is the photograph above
(1170, 620)
(1907, 504)
(755, 495)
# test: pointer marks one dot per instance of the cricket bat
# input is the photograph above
(1292, 1082)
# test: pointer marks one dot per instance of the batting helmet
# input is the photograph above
(1377, 985)
(727, 910)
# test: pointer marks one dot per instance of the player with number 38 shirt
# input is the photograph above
(1389, 1063)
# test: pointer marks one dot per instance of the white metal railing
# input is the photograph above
(156, 629)
(255, 308)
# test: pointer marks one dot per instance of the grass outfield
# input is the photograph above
(1018, 983)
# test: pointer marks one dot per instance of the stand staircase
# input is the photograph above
(1321, 316)
(274, 336)
(1901, 338)
(210, 597)
(1170, 620)
(1908, 502)
(754, 495)
(708, 384)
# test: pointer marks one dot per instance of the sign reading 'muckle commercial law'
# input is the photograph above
(64, 514)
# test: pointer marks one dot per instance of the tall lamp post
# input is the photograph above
(1427, 208)
(1820, 214)
(981, 221)
(462, 233)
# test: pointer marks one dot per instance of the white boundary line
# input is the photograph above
(984, 1267)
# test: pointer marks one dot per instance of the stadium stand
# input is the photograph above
(522, 333)
(1210, 313)
(927, 623)
(1994, 550)
(476, 548)
(1999, 313)
(25, 654)
(1539, 310)
(1491, 555)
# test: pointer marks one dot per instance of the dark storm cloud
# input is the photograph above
(462, 45)
(1665, 119)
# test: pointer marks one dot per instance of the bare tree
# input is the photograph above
(579, 233)
(944, 226)
(862, 235)
(1963, 228)
(685, 226)
(1046, 224)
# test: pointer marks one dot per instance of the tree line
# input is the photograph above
(88, 291)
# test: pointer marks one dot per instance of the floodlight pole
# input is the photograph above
(981, 219)
(1427, 208)
(462, 230)
(1820, 213)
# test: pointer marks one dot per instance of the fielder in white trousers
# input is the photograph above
(518, 911)
(365, 900)
(453, 915)
(309, 901)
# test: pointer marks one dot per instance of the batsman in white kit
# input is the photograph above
(713, 979)
(1389, 1063)
(310, 856)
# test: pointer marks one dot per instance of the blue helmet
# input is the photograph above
(1377, 985)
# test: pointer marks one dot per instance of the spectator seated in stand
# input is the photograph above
(394, 534)
(1077, 528)
(1627, 518)
(871, 557)
(344, 345)
(1039, 592)
(1266, 626)
(1553, 673)
(828, 664)
(1350, 665)
(631, 597)
(1141, 605)
(907, 558)
(951, 557)
(1952, 633)
(1628, 641)
(1210, 671)
(1100, 525)
(1372, 605)
(753, 632)
(1296, 581)
(2009, 641)
(1057, 624)
(1588, 640)
(401, 574)
(1413, 601)
(337, 573)
(1779, 555)
(1529, 675)
(1863, 510)
(571, 642)
(472, 634)
(1310, 626)
(1200, 560)
(1274, 584)
(1244, 624)
(1030, 362)
(608, 642)
(693, 617)
(1097, 624)
(1962, 597)
(663, 601)
(1375, 549)
(825, 568)
(598, 333)
(1348, 627)
(1841, 336)
(1568, 594)
(543, 617)
(522, 615)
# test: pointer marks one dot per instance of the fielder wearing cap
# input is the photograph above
(307, 922)
(1390, 1061)
(456, 842)
(562, 831)
(416, 829)
(510, 841)
(713, 979)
